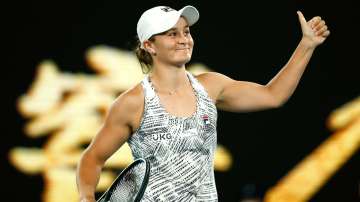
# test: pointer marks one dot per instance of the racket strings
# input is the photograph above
(129, 186)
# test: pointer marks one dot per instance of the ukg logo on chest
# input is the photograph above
(162, 136)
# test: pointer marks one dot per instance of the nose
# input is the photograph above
(182, 38)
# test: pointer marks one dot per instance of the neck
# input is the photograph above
(168, 79)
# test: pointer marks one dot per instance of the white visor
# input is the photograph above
(162, 18)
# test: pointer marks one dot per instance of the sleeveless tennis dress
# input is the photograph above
(180, 149)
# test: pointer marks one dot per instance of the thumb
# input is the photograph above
(301, 19)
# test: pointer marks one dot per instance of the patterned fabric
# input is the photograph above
(180, 149)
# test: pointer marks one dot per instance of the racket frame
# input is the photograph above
(106, 196)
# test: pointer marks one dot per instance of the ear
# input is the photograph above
(148, 46)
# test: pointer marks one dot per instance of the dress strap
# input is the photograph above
(148, 90)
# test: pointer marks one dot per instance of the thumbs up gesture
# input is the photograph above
(314, 31)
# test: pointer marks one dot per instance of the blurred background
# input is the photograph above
(246, 40)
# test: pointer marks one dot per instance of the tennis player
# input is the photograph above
(169, 118)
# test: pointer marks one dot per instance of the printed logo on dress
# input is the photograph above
(162, 136)
(205, 119)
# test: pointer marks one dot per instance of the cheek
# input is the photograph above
(191, 42)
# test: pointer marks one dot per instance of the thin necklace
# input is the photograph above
(156, 89)
(166, 92)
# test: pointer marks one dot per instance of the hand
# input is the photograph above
(314, 31)
(87, 199)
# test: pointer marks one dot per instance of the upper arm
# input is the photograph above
(236, 96)
(117, 127)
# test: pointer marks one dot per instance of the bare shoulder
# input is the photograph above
(129, 106)
(212, 77)
(213, 82)
(130, 98)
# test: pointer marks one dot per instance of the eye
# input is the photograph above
(172, 34)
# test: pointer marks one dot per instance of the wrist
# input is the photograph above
(307, 43)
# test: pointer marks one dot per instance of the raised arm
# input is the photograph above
(284, 83)
(117, 127)
(232, 95)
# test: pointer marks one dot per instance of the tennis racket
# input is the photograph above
(130, 184)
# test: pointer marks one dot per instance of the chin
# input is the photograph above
(182, 61)
(184, 58)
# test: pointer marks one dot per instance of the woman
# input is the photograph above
(170, 117)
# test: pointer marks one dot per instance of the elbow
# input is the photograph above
(274, 105)
(276, 102)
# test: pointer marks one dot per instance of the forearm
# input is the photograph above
(285, 82)
(88, 174)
